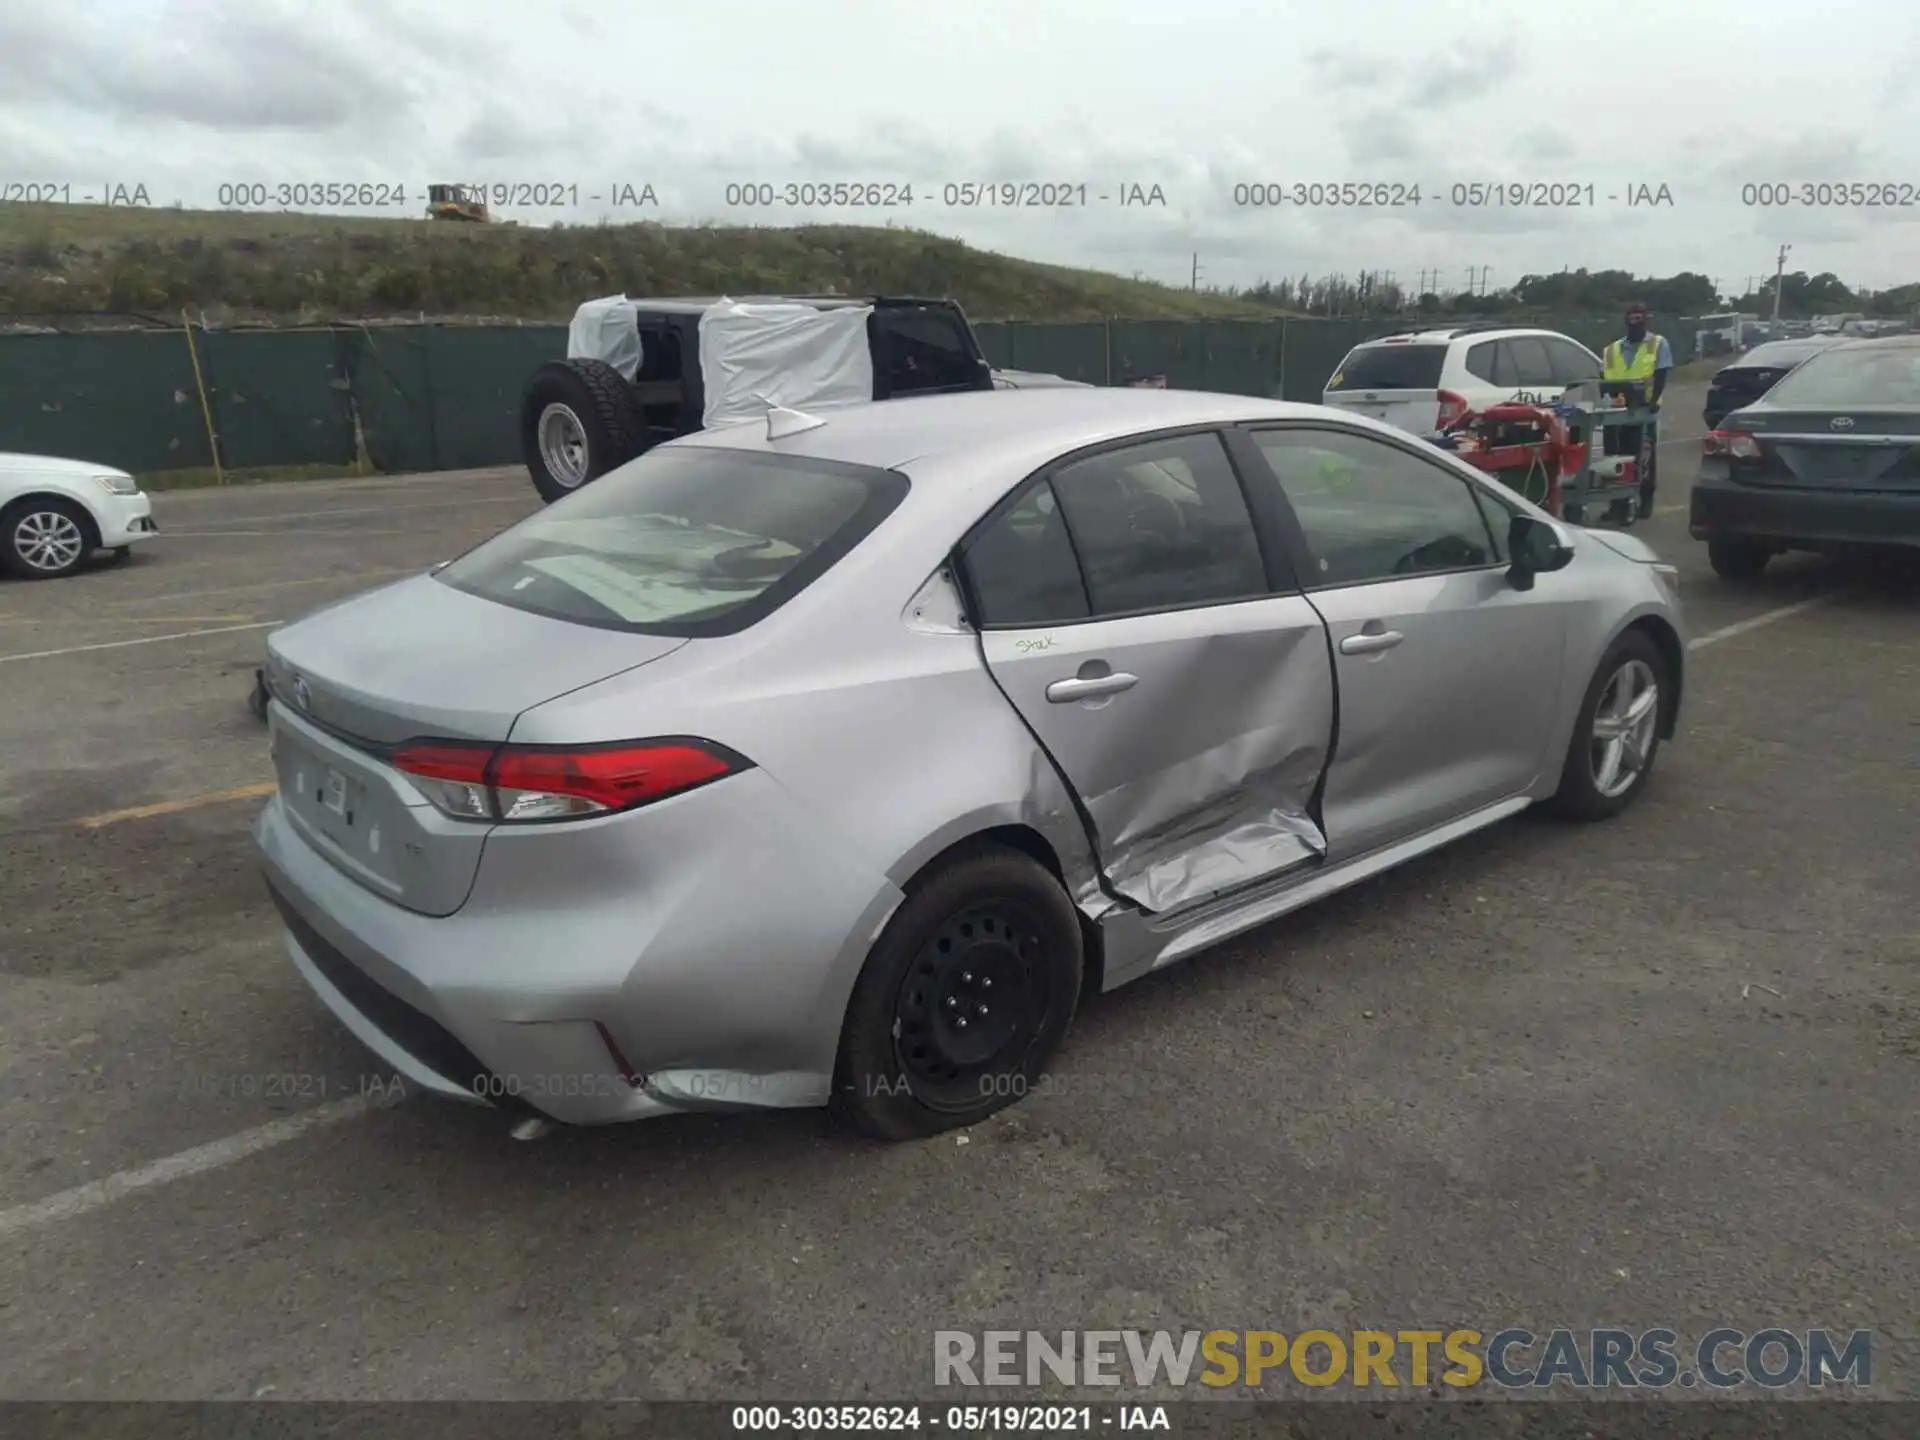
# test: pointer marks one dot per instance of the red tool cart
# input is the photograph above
(1545, 453)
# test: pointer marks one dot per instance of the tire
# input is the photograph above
(1587, 791)
(1738, 559)
(905, 1070)
(582, 409)
(44, 537)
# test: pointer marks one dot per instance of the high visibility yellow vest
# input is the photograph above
(1645, 358)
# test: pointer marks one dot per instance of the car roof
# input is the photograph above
(1000, 431)
(697, 304)
(1446, 335)
(1772, 350)
(1878, 342)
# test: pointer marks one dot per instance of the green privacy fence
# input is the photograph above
(446, 397)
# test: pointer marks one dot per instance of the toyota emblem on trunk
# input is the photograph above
(302, 696)
(1842, 422)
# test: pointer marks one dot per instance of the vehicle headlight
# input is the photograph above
(118, 484)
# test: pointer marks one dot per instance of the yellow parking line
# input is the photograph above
(174, 807)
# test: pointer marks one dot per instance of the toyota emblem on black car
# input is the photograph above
(1842, 422)
(302, 696)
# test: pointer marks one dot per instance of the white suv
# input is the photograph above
(1425, 380)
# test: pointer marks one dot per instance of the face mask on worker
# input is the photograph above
(1636, 328)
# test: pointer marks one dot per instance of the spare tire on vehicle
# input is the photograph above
(578, 421)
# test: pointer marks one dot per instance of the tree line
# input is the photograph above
(1588, 292)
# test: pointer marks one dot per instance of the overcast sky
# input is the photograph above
(1195, 97)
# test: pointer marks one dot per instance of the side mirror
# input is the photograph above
(1535, 547)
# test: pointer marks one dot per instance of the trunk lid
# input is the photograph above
(414, 660)
(1857, 449)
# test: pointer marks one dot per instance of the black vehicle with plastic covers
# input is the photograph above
(635, 376)
(1756, 372)
(1827, 460)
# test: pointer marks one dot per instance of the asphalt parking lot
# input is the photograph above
(1660, 1072)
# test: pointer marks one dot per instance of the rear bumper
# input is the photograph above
(714, 938)
(1801, 519)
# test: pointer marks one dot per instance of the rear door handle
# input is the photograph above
(1370, 642)
(1065, 692)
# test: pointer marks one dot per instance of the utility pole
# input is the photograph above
(1194, 283)
(1779, 274)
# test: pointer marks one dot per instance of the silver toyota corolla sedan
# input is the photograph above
(838, 759)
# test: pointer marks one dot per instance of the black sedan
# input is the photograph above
(1756, 372)
(1828, 460)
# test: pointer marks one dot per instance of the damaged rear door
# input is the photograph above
(1137, 615)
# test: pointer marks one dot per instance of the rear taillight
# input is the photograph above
(1453, 409)
(516, 784)
(1735, 443)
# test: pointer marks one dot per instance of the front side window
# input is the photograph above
(688, 542)
(1571, 364)
(1370, 511)
(1161, 524)
(1531, 362)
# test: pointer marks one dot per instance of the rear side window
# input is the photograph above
(925, 350)
(1023, 568)
(1161, 525)
(1390, 367)
(688, 542)
(1482, 360)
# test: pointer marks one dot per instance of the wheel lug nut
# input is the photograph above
(952, 1003)
(966, 977)
(986, 982)
(961, 1023)
(981, 1012)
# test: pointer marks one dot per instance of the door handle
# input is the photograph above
(1065, 692)
(1370, 642)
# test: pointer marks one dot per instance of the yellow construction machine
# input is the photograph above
(457, 202)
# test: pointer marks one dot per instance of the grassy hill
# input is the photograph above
(238, 266)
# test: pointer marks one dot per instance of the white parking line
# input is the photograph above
(526, 502)
(67, 1204)
(1754, 622)
(143, 640)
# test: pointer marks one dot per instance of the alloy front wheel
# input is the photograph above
(45, 540)
(1624, 727)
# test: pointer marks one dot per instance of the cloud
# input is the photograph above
(1466, 73)
(1380, 136)
(1353, 69)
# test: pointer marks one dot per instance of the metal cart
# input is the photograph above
(1555, 455)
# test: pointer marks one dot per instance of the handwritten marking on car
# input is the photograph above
(1035, 644)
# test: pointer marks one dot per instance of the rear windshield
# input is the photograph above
(1778, 355)
(1867, 375)
(1390, 367)
(691, 542)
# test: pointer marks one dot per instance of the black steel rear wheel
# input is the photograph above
(963, 999)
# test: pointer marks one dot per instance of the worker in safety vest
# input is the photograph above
(1643, 358)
